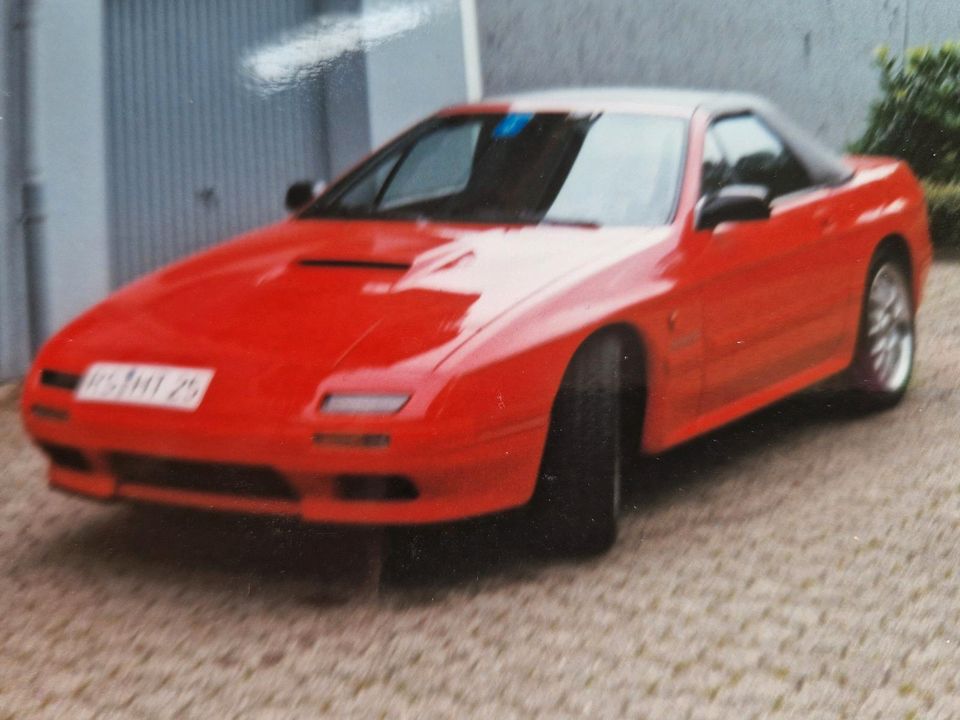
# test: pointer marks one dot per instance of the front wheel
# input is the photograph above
(576, 506)
(883, 363)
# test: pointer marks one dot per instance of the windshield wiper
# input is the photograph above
(571, 222)
(523, 218)
(531, 218)
(364, 213)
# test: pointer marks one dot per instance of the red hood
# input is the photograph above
(331, 295)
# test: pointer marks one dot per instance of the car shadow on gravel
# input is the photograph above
(947, 254)
(323, 566)
(172, 546)
(488, 548)
(403, 564)
(665, 478)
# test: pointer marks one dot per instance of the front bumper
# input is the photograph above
(458, 470)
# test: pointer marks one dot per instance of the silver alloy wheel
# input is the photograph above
(890, 329)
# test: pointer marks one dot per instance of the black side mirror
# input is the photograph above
(734, 203)
(298, 195)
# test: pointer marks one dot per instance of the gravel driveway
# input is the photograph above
(802, 563)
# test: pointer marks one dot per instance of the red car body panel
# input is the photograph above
(479, 324)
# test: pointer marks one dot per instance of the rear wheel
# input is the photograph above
(576, 506)
(883, 363)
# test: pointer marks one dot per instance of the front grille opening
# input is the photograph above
(60, 380)
(392, 488)
(45, 412)
(216, 478)
(67, 457)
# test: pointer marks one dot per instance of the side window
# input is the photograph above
(756, 156)
(716, 171)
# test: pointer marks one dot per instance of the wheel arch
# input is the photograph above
(897, 246)
(636, 378)
(635, 346)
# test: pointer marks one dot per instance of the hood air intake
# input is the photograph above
(354, 264)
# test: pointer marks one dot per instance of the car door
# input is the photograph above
(772, 294)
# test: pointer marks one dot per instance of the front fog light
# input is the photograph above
(363, 404)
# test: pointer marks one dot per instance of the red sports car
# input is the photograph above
(502, 307)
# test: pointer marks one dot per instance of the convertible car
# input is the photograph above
(503, 307)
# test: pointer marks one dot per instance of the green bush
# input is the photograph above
(943, 203)
(917, 117)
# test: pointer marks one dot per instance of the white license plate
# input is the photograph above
(177, 388)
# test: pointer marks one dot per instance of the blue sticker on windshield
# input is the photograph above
(512, 125)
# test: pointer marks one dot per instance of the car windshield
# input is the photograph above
(551, 168)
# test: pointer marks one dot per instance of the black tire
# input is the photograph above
(872, 384)
(575, 508)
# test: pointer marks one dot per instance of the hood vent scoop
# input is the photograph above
(354, 264)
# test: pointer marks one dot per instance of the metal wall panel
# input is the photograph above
(195, 154)
(15, 300)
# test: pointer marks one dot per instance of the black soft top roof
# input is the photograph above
(824, 166)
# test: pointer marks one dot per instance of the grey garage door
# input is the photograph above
(196, 154)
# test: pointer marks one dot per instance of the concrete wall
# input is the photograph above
(346, 121)
(420, 71)
(813, 57)
(69, 151)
